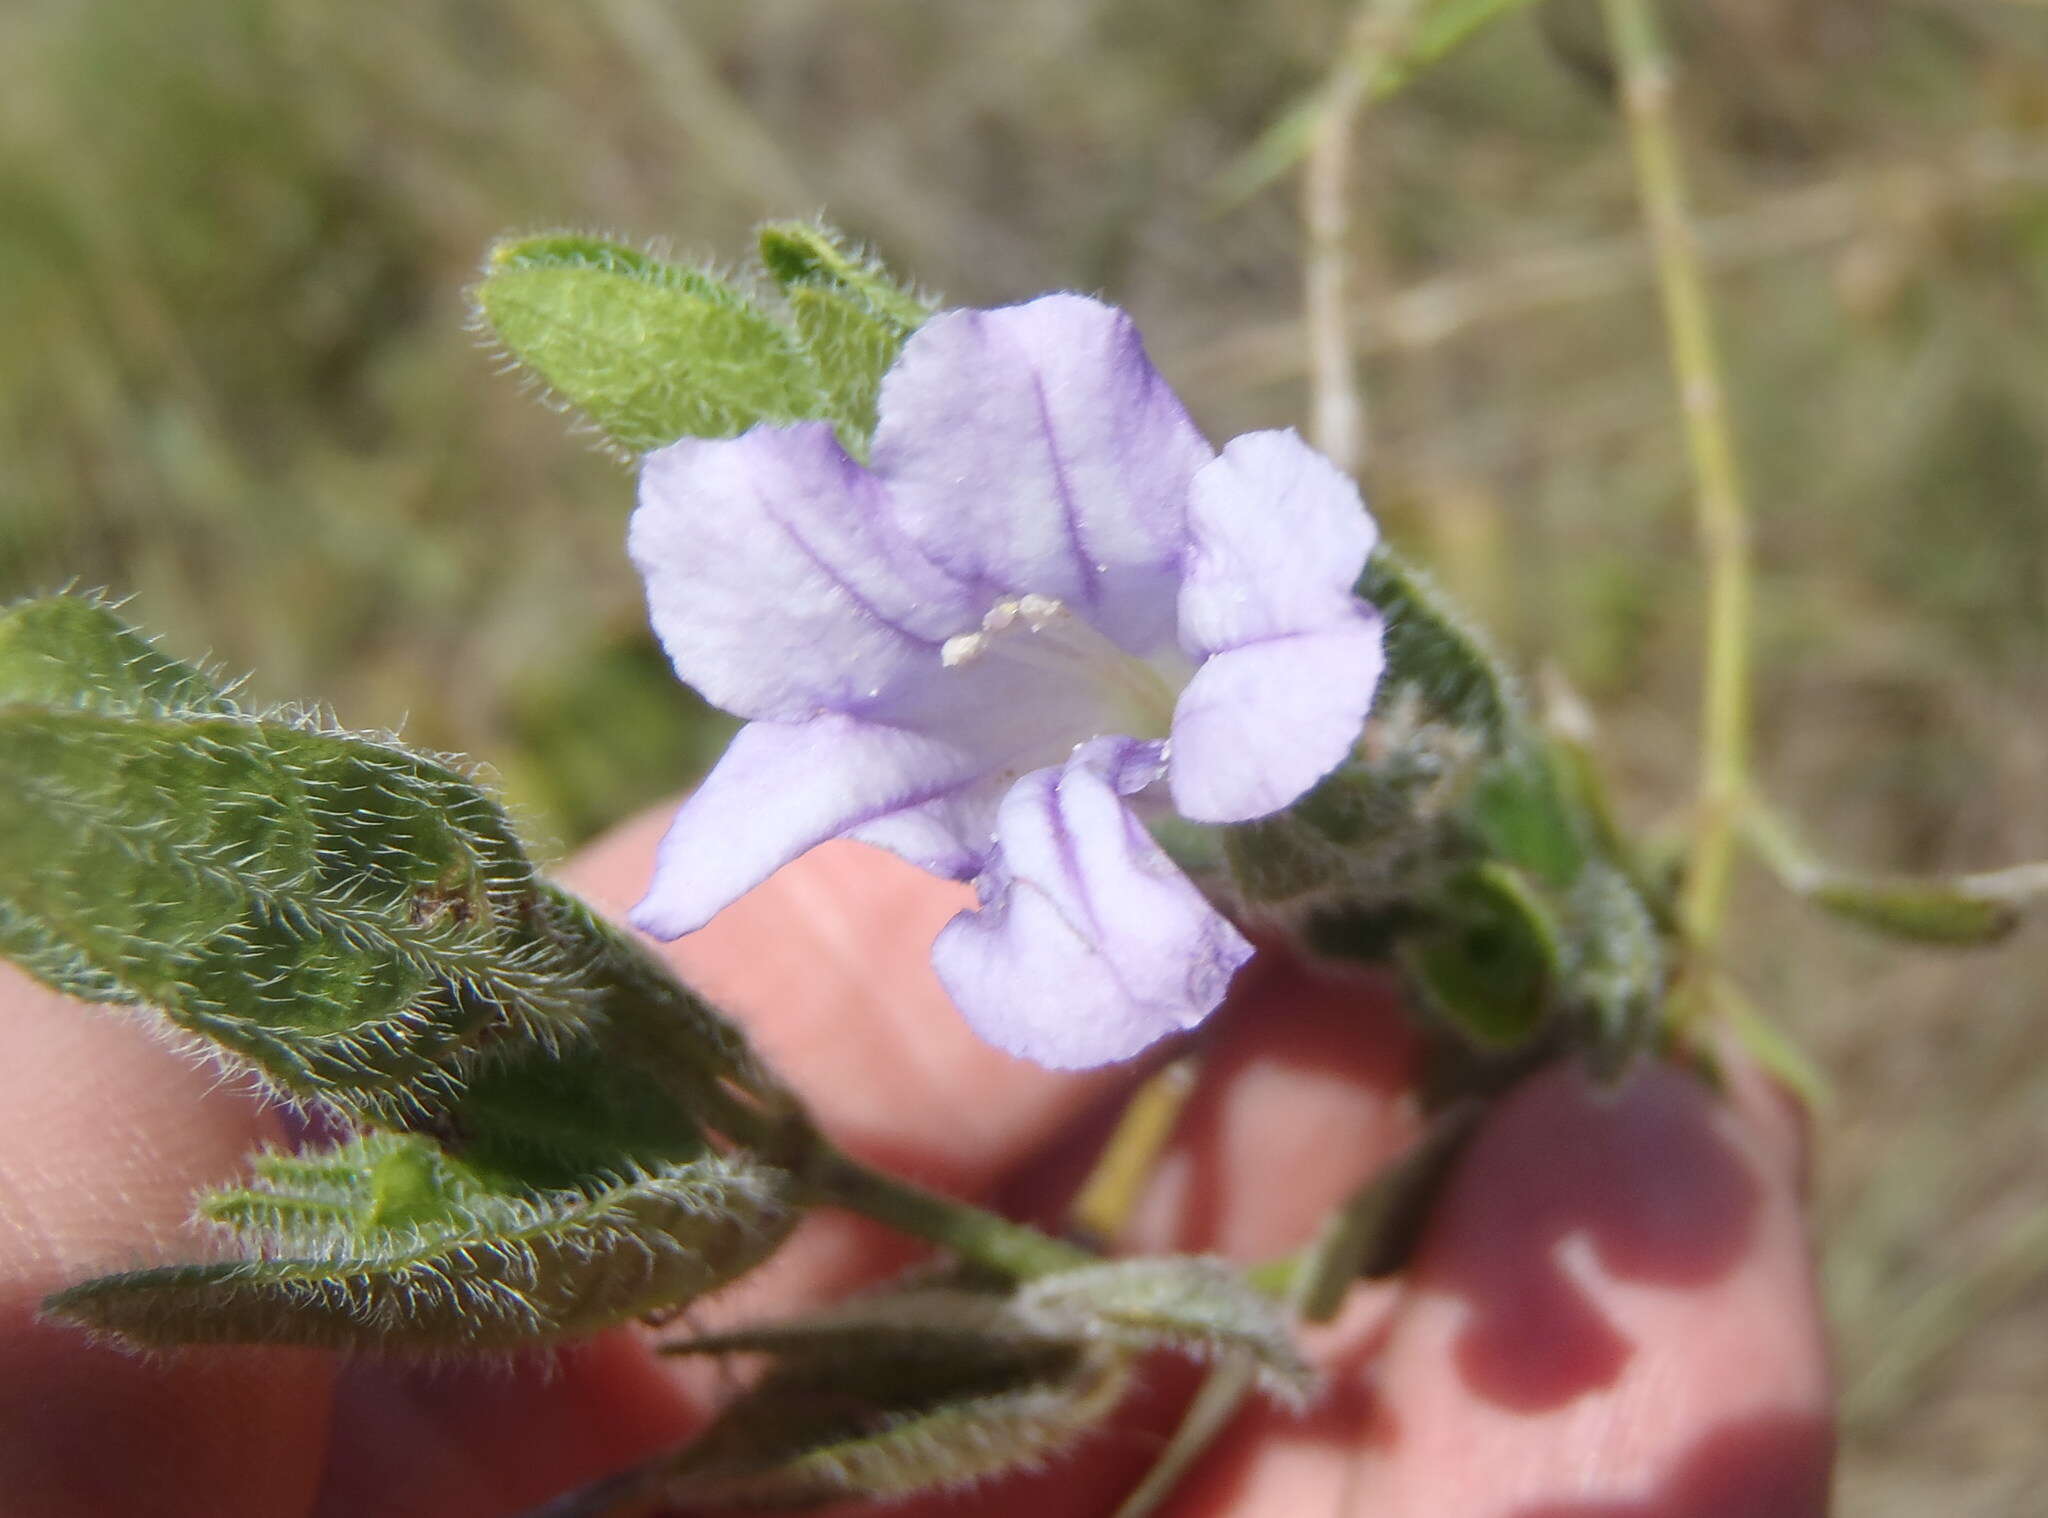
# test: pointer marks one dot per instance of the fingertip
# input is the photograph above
(1615, 1295)
(104, 1135)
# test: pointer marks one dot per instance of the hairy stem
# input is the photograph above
(970, 1232)
(1722, 519)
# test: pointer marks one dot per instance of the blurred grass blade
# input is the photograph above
(648, 350)
(1388, 60)
(1223, 1391)
(1765, 1040)
(388, 1244)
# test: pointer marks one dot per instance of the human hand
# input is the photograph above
(1611, 1316)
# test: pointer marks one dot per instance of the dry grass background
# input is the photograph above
(234, 381)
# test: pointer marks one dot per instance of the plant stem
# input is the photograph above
(971, 1232)
(1722, 520)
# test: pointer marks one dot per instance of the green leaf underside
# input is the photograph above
(387, 1243)
(649, 351)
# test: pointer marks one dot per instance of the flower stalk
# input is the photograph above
(974, 1234)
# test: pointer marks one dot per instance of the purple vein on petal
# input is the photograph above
(832, 572)
(1085, 573)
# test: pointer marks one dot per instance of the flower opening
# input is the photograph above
(1046, 599)
(1136, 696)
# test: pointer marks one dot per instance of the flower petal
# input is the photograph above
(1035, 450)
(1278, 539)
(777, 580)
(1090, 944)
(1259, 725)
(783, 788)
(1293, 658)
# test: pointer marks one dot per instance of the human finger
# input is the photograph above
(104, 1135)
(1613, 1315)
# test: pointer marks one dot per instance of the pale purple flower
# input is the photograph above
(1044, 611)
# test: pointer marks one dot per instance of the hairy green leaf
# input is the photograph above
(850, 315)
(1433, 650)
(1955, 910)
(337, 914)
(1276, 860)
(1372, 832)
(1925, 911)
(650, 351)
(804, 254)
(1197, 1306)
(1489, 963)
(74, 651)
(1616, 963)
(939, 1384)
(851, 348)
(1524, 818)
(388, 1243)
(819, 1429)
